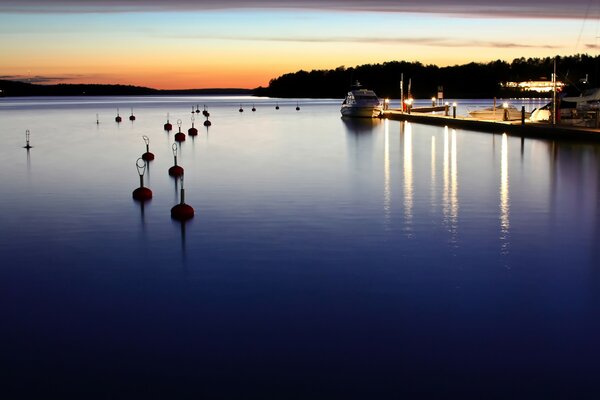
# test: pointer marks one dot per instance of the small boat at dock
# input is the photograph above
(361, 102)
(504, 113)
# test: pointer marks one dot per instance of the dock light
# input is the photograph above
(433, 102)
(408, 103)
(454, 110)
(505, 107)
(386, 104)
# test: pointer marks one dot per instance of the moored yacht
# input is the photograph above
(360, 102)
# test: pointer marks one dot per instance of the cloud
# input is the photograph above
(479, 8)
(423, 41)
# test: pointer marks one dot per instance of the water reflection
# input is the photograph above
(387, 194)
(450, 197)
(408, 176)
(433, 172)
(359, 126)
(504, 196)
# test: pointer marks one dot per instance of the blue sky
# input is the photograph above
(185, 43)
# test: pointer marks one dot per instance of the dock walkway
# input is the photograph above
(515, 128)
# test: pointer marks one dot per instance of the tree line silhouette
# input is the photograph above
(472, 80)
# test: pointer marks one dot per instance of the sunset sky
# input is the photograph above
(200, 44)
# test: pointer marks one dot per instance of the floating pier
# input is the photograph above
(516, 128)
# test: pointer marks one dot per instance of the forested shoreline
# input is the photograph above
(472, 80)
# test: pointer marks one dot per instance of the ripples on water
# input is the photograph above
(328, 257)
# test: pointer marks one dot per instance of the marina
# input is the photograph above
(516, 128)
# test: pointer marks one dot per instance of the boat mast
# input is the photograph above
(402, 92)
(554, 95)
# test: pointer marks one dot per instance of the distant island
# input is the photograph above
(19, 89)
(472, 80)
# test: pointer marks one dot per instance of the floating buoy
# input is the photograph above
(193, 111)
(241, 109)
(132, 117)
(277, 106)
(253, 108)
(192, 131)
(197, 109)
(297, 107)
(205, 112)
(168, 127)
(179, 136)
(207, 122)
(27, 145)
(142, 193)
(118, 117)
(175, 170)
(97, 119)
(147, 156)
(182, 211)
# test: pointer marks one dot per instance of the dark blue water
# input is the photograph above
(328, 258)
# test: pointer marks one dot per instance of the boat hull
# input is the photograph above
(498, 115)
(361, 111)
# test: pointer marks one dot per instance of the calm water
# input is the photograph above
(328, 258)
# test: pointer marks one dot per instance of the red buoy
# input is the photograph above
(147, 156)
(132, 117)
(168, 127)
(207, 122)
(142, 193)
(205, 112)
(179, 136)
(182, 211)
(192, 131)
(175, 170)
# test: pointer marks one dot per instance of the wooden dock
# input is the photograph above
(514, 128)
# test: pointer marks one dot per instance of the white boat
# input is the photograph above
(360, 102)
(588, 101)
(504, 113)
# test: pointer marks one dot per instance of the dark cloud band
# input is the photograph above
(503, 9)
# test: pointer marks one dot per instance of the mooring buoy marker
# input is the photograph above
(132, 117)
(168, 127)
(142, 193)
(193, 131)
(182, 211)
(179, 136)
(118, 117)
(175, 170)
(27, 145)
(147, 156)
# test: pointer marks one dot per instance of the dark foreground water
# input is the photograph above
(328, 258)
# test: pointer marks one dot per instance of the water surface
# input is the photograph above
(327, 258)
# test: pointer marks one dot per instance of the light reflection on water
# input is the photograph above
(336, 257)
